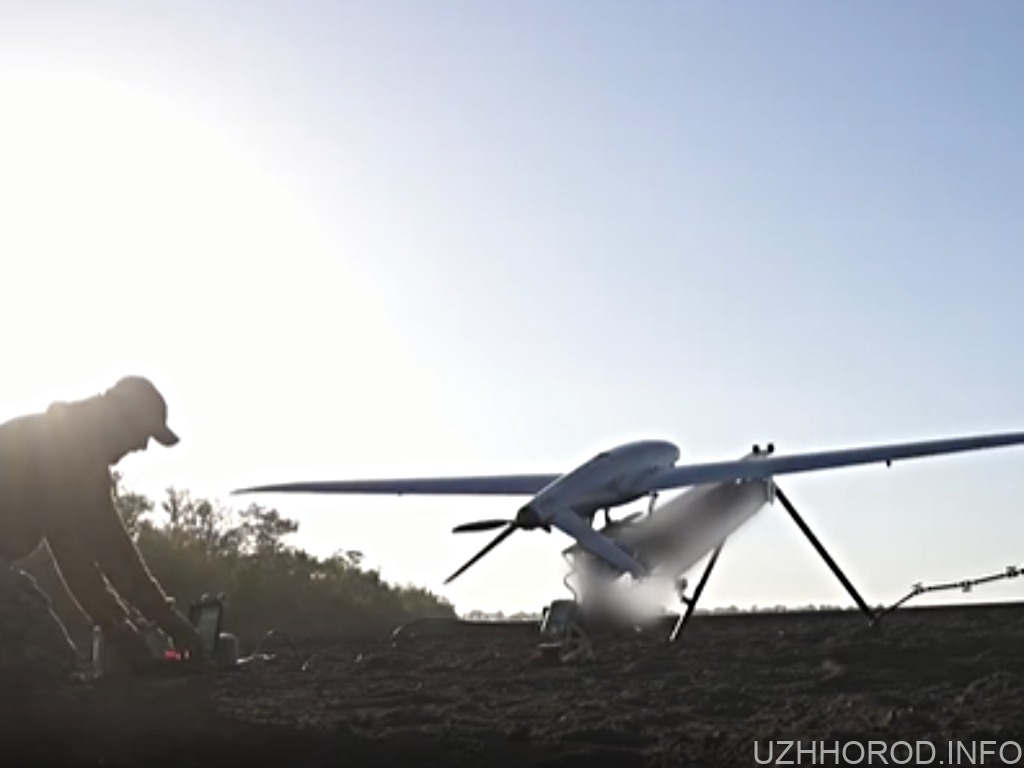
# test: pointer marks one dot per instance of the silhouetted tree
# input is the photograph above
(132, 506)
(194, 546)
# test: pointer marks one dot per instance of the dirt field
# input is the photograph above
(480, 696)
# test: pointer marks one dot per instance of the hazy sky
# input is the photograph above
(383, 238)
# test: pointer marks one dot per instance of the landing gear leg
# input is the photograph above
(832, 564)
(650, 504)
(691, 602)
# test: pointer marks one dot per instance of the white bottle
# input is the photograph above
(97, 652)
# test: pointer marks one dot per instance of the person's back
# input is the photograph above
(46, 459)
(56, 487)
(29, 461)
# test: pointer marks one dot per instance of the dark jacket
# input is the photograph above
(56, 487)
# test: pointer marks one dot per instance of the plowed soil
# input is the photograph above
(482, 695)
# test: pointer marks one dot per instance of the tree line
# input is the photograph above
(196, 545)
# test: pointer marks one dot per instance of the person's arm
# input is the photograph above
(77, 568)
(91, 594)
(120, 560)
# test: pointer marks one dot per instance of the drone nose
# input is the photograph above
(528, 517)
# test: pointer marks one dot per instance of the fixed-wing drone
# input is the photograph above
(721, 497)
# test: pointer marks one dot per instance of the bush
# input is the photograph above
(195, 546)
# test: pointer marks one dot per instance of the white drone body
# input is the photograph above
(670, 539)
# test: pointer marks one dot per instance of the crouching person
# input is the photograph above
(56, 488)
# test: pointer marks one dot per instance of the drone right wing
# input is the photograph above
(759, 468)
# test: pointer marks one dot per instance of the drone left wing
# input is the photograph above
(480, 485)
(761, 467)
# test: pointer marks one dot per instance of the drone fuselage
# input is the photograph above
(682, 531)
(610, 479)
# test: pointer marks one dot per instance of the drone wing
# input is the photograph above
(761, 467)
(480, 485)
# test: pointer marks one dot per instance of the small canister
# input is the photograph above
(227, 649)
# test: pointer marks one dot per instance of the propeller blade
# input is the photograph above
(509, 530)
(480, 525)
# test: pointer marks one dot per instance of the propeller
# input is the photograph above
(481, 525)
(569, 521)
(526, 518)
(510, 528)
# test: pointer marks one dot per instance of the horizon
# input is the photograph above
(387, 240)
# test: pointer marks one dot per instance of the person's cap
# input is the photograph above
(142, 402)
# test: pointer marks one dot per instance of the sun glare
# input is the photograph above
(139, 234)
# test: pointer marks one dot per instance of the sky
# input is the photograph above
(378, 239)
